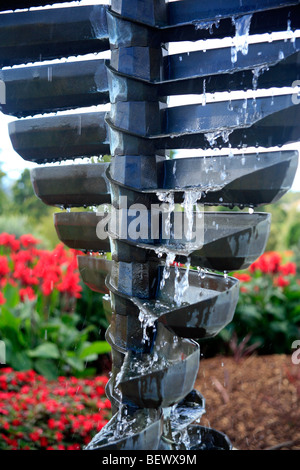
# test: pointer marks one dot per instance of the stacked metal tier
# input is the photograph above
(158, 309)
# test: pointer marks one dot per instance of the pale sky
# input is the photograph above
(13, 164)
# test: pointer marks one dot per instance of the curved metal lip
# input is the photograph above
(80, 171)
(116, 347)
(86, 222)
(179, 420)
(231, 283)
(156, 417)
(224, 441)
(69, 218)
(257, 119)
(83, 184)
(181, 360)
(244, 170)
(210, 217)
(187, 343)
(200, 319)
(84, 266)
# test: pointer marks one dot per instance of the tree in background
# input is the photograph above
(24, 199)
(21, 212)
(3, 195)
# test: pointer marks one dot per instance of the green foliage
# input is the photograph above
(268, 310)
(21, 212)
(91, 310)
(52, 346)
(24, 199)
(39, 323)
(3, 195)
(271, 315)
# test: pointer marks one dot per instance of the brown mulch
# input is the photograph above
(255, 401)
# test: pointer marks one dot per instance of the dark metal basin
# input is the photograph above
(230, 240)
(161, 378)
(203, 438)
(208, 305)
(248, 180)
(93, 272)
(224, 241)
(188, 410)
(78, 230)
(130, 430)
(71, 185)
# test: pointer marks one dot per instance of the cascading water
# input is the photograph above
(240, 40)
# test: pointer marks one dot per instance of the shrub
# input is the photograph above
(38, 322)
(36, 414)
(269, 305)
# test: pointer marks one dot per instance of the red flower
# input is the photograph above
(43, 441)
(27, 293)
(9, 241)
(4, 268)
(2, 299)
(36, 435)
(288, 268)
(268, 263)
(243, 277)
(28, 240)
(74, 447)
(59, 436)
(281, 281)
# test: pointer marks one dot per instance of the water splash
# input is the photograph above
(290, 33)
(146, 317)
(190, 199)
(181, 284)
(240, 41)
(257, 72)
(170, 258)
(206, 25)
(169, 205)
(204, 93)
(212, 137)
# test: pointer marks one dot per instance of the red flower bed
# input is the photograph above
(272, 264)
(36, 414)
(32, 270)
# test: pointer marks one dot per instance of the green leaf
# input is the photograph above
(20, 361)
(47, 368)
(46, 350)
(11, 295)
(98, 347)
(88, 372)
(76, 363)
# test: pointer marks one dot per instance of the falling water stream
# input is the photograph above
(240, 40)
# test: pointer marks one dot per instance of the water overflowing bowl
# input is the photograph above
(130, 430)
(206, 306)
(161, 378)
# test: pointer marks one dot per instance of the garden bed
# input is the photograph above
(38, 414)
(255, 401)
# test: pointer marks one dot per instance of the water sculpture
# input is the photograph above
(159, 309)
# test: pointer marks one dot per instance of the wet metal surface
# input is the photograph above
(156, 309)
